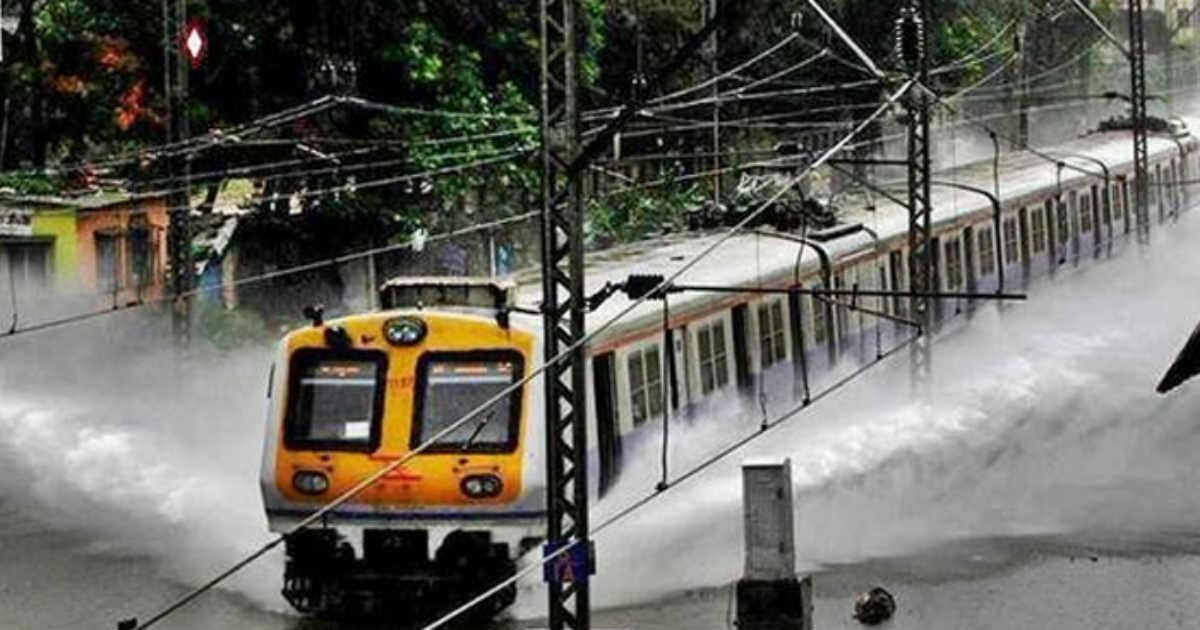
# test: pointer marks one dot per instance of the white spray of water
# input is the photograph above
(117, 440)
(1042, 420)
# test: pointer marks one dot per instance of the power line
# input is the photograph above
(566, 352)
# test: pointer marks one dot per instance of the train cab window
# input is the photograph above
(645, 384)
(1038, 230)
(452, 384)
(1085, 214)
(335, 399)
(714, 363)
(1010, 240)
(772, 343)
(987, 252)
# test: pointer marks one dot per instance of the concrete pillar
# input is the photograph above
(769, 595)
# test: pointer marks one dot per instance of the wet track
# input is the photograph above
(128, 477)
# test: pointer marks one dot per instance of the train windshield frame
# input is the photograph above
(469, 379)
(348, 385)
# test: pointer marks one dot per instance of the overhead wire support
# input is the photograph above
(179, 232)
(913, 39)
(1141, 153)
(1136, 54)
(563, 305)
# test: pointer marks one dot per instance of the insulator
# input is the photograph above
(910, 38)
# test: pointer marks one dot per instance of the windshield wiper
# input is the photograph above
(478, 428)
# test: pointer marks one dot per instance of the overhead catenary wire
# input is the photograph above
(566, 352)
(659, 492)
(310, 108)
(728, 73)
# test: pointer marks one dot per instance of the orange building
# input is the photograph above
(111, 245)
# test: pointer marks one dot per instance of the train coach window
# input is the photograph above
(1085, 214)
(987, 252)
(645, 384)
(770, 332)
(451, 385)
(335, 399)
(714, 365)
(1010, 240)
(954, 275)
(1039, 230)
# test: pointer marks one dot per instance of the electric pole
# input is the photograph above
(563, 319)
(716, 110)
(1137, 97)
(179, 235)
(912, 36)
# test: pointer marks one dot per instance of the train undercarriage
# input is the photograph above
(395, 580)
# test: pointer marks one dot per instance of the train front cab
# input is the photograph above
(347, 399)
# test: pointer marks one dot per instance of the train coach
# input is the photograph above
(350, 395)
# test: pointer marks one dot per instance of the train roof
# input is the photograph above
(765, 257)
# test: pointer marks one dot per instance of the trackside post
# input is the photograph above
(769, 595)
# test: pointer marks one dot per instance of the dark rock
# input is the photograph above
(874, 607)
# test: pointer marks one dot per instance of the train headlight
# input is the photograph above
(310, 482)
(481, 486)
(404, 331)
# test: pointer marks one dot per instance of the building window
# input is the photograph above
(1085, 215)
(1010, 241)
(770, 333)
(987, 252)
(108, 254)
(714, 364)
(953, 264)
(141, 257)
(1039, 230)
(29, 263)
(645, 383)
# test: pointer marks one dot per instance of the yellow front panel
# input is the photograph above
(428, 479)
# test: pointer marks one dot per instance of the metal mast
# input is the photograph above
(912, 35)
(179, 234)
(563, 318)
(1137, 96)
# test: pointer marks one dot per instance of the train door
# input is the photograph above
(741, 354)
(608, 433)
(1023, 225)
(1125, 204)
(799, 363)
(682, 362)
(1096, 223)
(935, 275)
(896, 269)
(1073, 223)
(969, 258)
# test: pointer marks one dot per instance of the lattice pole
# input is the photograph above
(179, 233)
(912, 33)
(1137, 97)
(563, 318)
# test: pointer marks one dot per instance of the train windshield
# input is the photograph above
(336, 399)
(454, 384)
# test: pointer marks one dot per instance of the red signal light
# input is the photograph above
(194, 42)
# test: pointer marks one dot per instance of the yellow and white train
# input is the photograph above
(350, 395)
